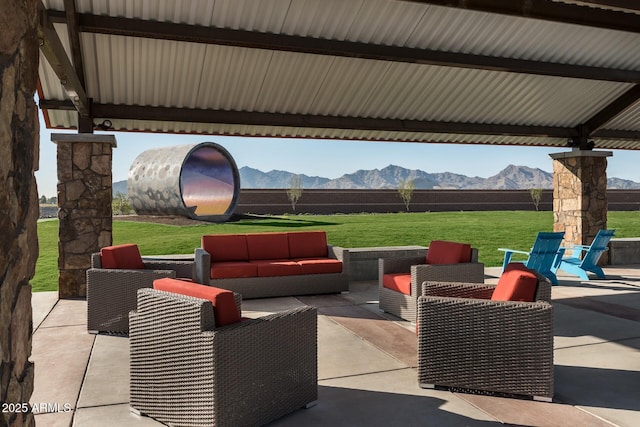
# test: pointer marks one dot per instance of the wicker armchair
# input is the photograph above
(186, 372)
(111, 292)
(467, 341)
(403, 305)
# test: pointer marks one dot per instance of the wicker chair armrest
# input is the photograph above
(202, 266)
(129, 276)
(458, 290)
(183, 269)
(398, 265)
(467, 272)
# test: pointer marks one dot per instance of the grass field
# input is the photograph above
(486, 231)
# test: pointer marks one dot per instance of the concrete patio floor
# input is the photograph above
(367, 364)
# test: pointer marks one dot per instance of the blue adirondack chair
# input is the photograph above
(580, 266)
(544, 256)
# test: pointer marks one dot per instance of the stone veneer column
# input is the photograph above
(580, 194)
(84, 205)
(19, 202)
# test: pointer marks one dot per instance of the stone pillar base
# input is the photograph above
(580, 194)
(84, 205)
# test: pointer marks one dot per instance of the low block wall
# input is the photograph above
(624, 251)
(363, 262)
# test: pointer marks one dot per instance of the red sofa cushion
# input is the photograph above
(125, 257)
(277, 267)
(272, 246)
(233, 269)
(308, 244)
(319, 265)
(517, 283)
(226, 247)
(443, 252)
(399, 282)
(225, 309)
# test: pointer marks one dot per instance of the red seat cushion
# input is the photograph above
(233, 269)
(225, 309)
(125, 257)
(399, 282)
(319, 265)
(517, 283)
(308, 244)
(277, 267)
(442, 252)
(273, 246)
(226, 247)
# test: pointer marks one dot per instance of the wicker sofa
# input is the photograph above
(444, 261)
(116, 274)
(467, 340)
(259, 265)
(187, 371)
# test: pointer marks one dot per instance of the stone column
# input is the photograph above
(84, 205)
(580, 194)
(19, 141)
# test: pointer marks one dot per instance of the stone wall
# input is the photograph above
(84, 206)
(580, 194)
(19, 201)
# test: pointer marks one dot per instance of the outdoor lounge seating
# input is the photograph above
(400, 279)
(496, 338)
(187, 370)
(259, 265)
(544, 256)
(588, 262)
(116, 274)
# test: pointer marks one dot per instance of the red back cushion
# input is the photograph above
(225, 309)
(226, 247)
(442, 252)
(125, 257)
(268, 246)
(517, 283)
(308, 244)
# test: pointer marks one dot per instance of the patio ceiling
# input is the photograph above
(535, 72)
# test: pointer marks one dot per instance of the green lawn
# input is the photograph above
(485, 230)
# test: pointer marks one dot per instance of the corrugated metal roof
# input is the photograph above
(165, 73)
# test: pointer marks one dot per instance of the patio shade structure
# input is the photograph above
(544, 73)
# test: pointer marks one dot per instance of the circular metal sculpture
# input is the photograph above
(199, 181)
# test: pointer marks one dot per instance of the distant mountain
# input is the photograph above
(511, 178)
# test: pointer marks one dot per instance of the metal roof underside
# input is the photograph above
(536, 72)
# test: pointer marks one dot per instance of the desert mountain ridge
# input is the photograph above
(510, 178)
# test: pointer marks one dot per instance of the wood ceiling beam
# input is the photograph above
(550, 11)
(222, 36)
(53, 50)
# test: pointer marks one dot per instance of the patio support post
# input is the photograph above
(19, 151)
(580, 194)
(84, 205)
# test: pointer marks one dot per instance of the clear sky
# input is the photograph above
(332, 159)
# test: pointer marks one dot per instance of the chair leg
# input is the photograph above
(310, 404)
(426, 385)
(542, 399)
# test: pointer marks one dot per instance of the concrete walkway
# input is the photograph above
(367, 364)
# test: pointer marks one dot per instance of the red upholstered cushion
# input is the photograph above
(399, 282)
(268, 246)
(442, 252)
(517, 283)
(226, 247)
(233, 269)
(125, 257)
(319, 265)
(225, 309)
(308, 244)
(277, 267)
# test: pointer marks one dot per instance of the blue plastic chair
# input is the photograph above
(580, 266)
(544, 256)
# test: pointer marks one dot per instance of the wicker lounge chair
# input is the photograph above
(468, 341)
(402, 304)
(111, 292)
(187, 372)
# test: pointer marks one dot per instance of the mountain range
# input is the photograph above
(511, 178)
